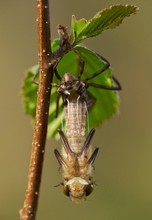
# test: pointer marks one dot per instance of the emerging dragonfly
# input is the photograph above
(76, 158)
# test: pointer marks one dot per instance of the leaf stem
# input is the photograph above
(46, 63)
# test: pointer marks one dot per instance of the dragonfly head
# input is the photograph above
(78, 189)
(70, 84)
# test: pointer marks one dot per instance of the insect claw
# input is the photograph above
(59, 184)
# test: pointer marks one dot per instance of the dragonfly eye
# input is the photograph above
(66, 190)
(88, 189)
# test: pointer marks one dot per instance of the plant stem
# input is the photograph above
(28, 212)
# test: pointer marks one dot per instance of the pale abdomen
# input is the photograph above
(75, 113)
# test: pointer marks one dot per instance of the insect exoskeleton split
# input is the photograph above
(76, 158)
(77, 168)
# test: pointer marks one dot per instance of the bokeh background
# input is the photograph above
(124, 165)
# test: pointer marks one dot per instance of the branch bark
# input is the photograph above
(46, 63)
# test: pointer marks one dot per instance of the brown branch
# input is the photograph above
(28, 212)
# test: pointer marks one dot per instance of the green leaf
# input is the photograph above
(29, 91)
(55, 44)
(108, 18)
(106, 101)
(76, 27)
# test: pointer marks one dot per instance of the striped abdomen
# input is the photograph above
(75, 112)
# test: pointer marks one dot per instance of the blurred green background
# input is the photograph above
(123, 167)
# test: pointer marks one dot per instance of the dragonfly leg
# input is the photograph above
(107, 65)
(98, 86)
(56, 73)
(82, 64)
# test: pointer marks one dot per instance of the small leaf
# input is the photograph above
(55, 44)
(103, 20)
(77, 26)
(29, 91)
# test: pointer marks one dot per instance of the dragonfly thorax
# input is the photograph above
(71, 86)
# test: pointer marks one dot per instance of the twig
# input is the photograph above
(28, 212)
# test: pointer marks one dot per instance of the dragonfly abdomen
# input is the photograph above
(75, 113)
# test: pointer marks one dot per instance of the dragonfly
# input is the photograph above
(77, 158)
